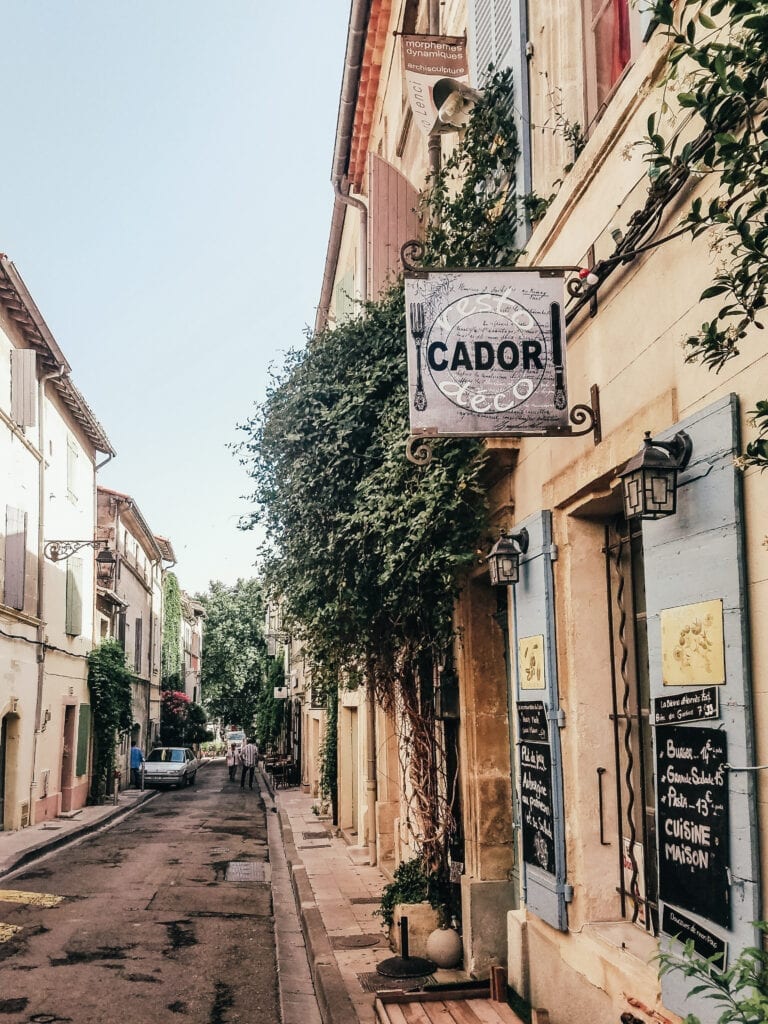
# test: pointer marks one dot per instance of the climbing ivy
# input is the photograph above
(717, 83)
(170, 657)
(110, 682)
(365, 548)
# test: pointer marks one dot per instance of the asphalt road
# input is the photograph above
(165, 917)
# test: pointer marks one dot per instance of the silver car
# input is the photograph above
(170, 766)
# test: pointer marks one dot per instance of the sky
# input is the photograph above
(165, 195)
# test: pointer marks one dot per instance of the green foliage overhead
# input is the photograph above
(271, 714)
(170, 659)
(234, 659)
(110, 684)
(718, 77)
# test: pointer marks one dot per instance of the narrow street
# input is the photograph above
(166, 916)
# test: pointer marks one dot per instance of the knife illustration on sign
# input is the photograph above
(557, 355)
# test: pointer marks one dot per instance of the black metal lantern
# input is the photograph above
(105, 567)
(504, 558)
(649, 479)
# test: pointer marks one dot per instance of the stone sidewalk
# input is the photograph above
(336, 899)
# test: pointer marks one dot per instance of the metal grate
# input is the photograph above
(315, 835)
(356, 941)
(248, 871)
(375, 982)
(365, 899)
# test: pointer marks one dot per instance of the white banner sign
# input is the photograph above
(435, 67)
(486, 352)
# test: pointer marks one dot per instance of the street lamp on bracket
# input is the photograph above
(504, 557)
(649, 479)
(61, 550)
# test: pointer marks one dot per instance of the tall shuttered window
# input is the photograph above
(24, 387)
(15, 557)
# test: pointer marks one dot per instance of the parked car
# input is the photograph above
(170, 766)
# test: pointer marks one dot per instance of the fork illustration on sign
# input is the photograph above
(417, 333)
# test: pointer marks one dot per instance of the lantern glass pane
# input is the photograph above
(660, 492)
(633, 505)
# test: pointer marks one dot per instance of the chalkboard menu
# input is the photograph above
(692, 706)
(693, 820)
(537, 815)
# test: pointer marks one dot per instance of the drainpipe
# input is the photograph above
(55, 374)
(434, 148)
(370, 782)
(362, 252)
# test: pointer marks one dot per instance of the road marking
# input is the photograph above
(7, 931)
(32, 899)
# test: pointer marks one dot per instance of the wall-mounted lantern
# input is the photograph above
(60, 550)
(504, 558)
(649, 479)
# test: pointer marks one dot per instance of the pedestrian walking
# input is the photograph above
(249, 754)
(232, 761)
(137, 761)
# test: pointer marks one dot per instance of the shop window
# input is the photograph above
(635, 827)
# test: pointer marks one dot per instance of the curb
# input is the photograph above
(334, 1001)
(46, 846)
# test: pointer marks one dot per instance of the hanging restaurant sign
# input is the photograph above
(486, 352)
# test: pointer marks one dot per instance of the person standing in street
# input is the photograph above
(137, 760)
(232, 760)
(248, 756)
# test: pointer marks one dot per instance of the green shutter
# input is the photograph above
(83, 739)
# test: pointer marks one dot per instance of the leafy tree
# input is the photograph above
(234, 660)
(182, 723)
(110, 684)
(271, 715)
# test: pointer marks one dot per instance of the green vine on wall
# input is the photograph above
(110, 683)
(718, 77)
(365, 548)
(170, 659)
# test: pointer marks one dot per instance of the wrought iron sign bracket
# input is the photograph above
(418, 448)
(58, 550)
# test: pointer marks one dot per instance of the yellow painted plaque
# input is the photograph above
(530, 656)
(692, 645)
(32, 899)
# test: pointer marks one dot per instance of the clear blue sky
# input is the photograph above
(165, 194)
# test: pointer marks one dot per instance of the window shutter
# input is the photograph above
(83, 739)
(345, 297)
(692, 557)
(137, 646)
(540, 761)
(15, 557)
(74, 611)
(394, 219)
(499, 36)
(24, 386)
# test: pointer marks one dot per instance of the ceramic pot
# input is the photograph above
(444, 947)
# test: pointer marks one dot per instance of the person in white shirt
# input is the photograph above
(249, 755)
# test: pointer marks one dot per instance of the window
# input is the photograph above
(15, 557)
(137, 646)
(74, 600)
(633, 743)
(614, 31)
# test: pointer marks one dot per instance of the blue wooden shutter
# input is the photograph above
(544, 890)
(15, 557)
(74, 607)
(695, 556)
